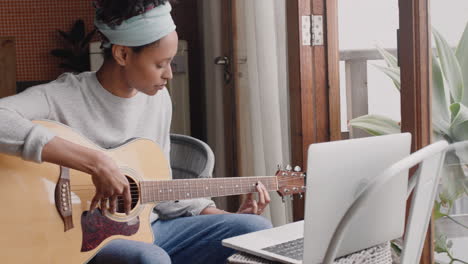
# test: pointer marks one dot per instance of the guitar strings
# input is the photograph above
(134, 189)
(156, 182)
(135, 192)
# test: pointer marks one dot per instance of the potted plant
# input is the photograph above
(76, 51)
(450, 122)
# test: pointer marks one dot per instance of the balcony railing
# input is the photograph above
(356, 84)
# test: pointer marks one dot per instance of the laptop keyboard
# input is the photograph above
(291, 249)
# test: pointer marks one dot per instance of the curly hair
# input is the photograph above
(114, 12)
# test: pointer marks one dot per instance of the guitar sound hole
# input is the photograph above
(135, 194)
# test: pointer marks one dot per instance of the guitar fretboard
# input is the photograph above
(157, 191)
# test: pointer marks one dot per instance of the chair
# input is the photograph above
(190, 158)
(425, 182)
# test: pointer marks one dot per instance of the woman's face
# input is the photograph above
(148, 70)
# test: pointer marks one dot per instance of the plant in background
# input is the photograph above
(449, 121)
(76, 51)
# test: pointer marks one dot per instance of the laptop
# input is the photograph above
(337, 172)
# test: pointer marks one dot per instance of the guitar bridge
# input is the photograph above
(63, 198)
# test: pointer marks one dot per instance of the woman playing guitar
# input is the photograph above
(124, 99)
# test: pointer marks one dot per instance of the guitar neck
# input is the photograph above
(170, 190)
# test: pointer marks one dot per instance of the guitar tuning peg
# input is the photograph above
(301, 196)
(279, 167)
(282, 199)
(292, 198)
(297, 169)
(288, 168)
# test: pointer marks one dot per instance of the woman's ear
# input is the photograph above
(120, 54)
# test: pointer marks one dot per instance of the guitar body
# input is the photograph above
(33, 231)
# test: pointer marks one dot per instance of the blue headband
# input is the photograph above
(141, 29)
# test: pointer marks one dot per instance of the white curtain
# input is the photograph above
(263, 94)
(212, 47)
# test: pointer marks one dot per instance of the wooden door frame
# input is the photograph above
(414, 46)
(230, 98)
(7, 66)
(313, 83)
(314, 76)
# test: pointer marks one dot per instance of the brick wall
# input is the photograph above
(34, 25)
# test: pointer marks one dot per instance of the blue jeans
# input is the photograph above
(184, 240)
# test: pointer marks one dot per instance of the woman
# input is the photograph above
(125, 98)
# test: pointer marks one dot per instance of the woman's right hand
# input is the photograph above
(110, 183)
(106, 176)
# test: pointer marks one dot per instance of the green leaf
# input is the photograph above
(461, 150)
(440, 111)
(450, 67)
(462, 56)
(391, 60)
(376, 125)
(393, 73)
(77, 32)
(440, 242)
(87, 39)
(437, 213)
(452, 182)
(459, 126)
(62, 53)
(395, 248)
(64, 35)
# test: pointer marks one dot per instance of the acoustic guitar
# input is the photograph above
(45, 207)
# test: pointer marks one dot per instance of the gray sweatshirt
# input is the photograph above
(80, 102)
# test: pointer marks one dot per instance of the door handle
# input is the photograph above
(222, 60)
(225, 61)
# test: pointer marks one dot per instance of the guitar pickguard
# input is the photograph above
(96, 228)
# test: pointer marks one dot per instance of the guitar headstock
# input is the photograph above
(290, 181)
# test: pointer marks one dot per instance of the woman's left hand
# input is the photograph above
(252, 206)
